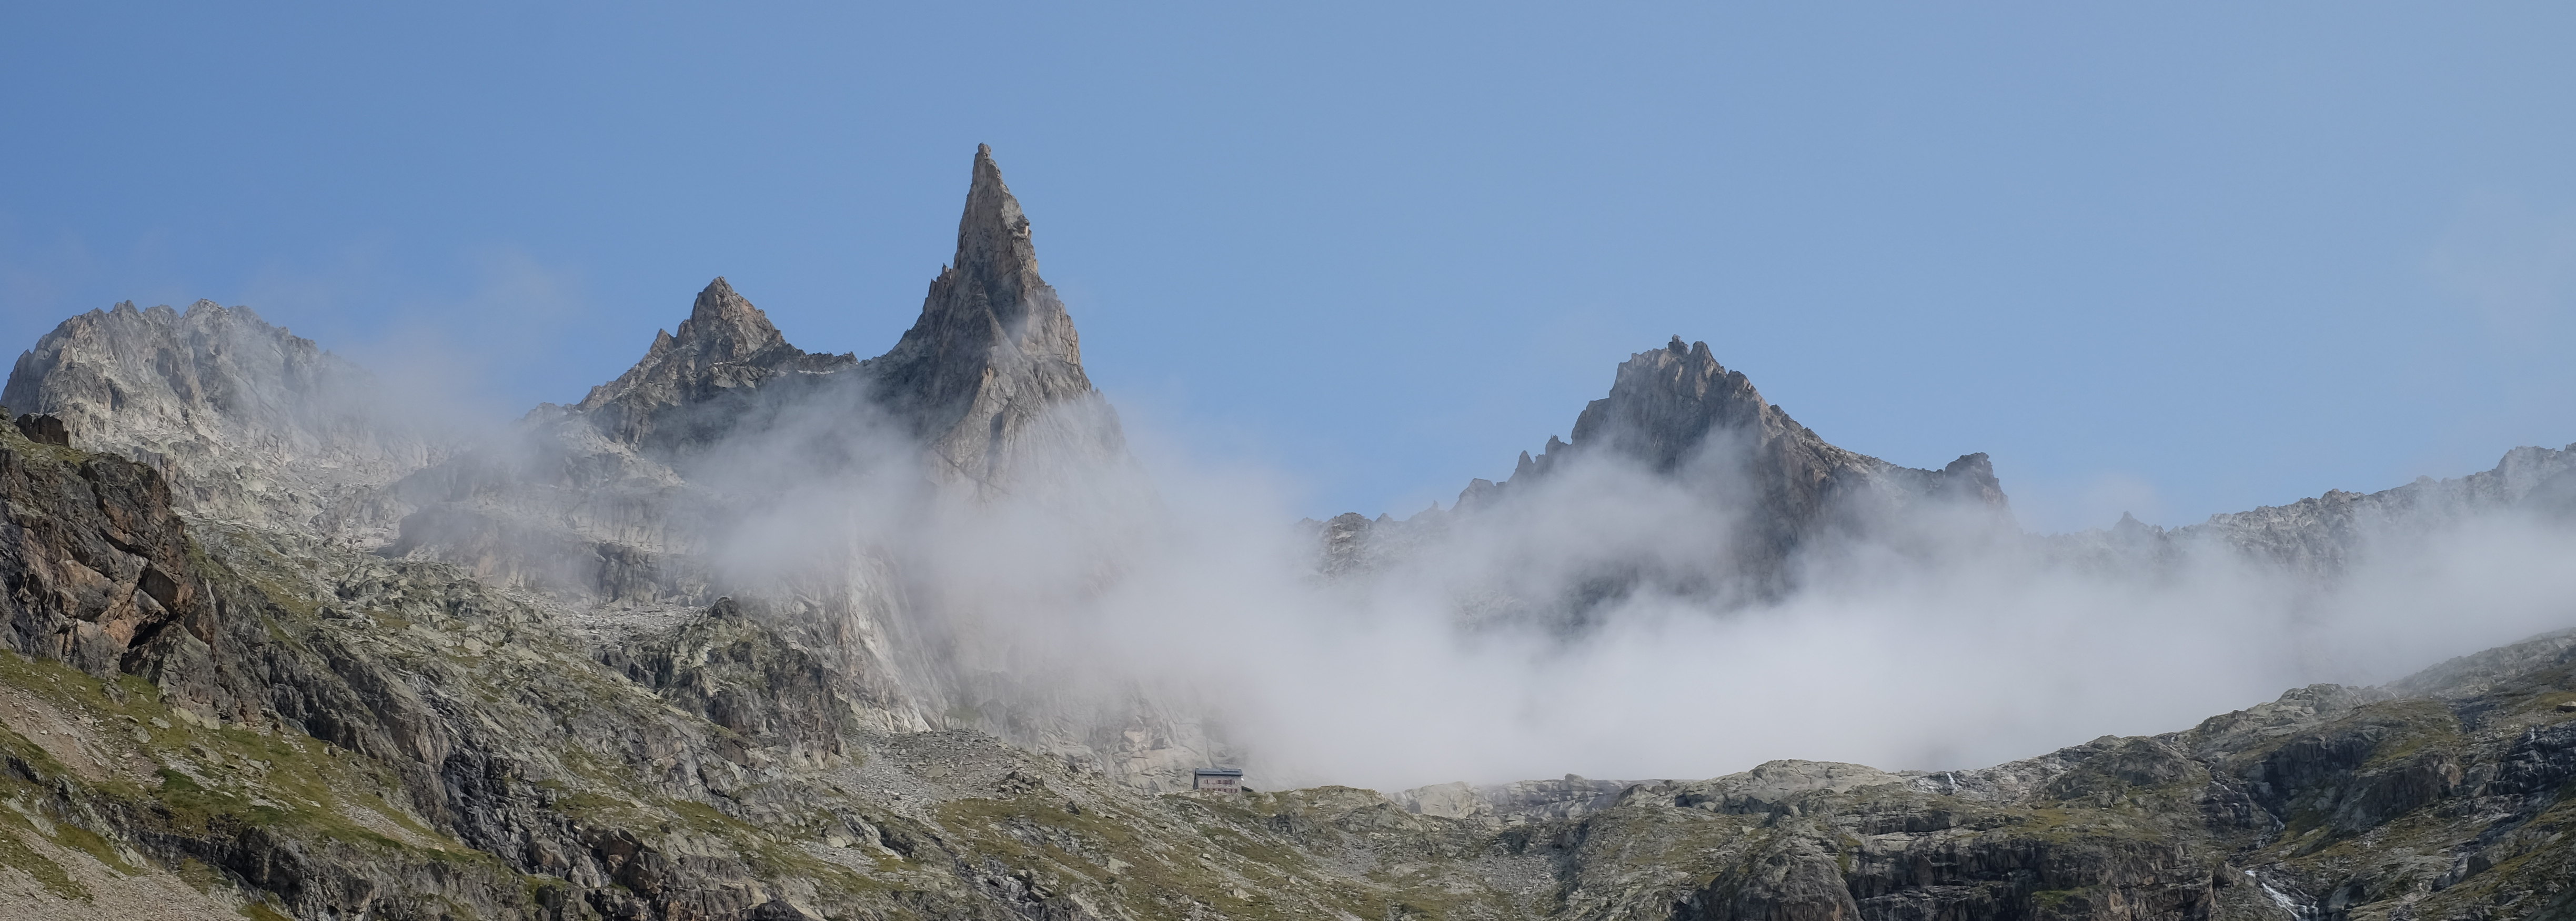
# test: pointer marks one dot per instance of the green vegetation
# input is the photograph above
(15, 854)
(88, 842)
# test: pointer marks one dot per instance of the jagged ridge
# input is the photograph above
(1680, 415)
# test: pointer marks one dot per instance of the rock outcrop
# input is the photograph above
(94, 561)
(44, 429)
(1675, 408)
(1679, 413)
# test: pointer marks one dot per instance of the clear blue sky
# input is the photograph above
(2179, 259)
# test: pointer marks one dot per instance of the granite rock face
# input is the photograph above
(247, 421)
(93, 556)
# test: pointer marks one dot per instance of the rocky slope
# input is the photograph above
(218, 718)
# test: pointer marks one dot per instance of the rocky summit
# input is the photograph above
(1677, 415)
(703, 645)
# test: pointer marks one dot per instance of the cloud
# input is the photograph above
(1950, 645)
(1936, 639)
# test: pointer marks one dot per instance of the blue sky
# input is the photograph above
(2180, 259)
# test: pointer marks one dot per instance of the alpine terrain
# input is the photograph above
(751, 632)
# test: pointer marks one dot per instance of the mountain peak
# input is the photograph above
(726, 346)
(990, 295)
(724, 326)
(1677, 413)
(993, 245)
(994, 349)
(1664, 403)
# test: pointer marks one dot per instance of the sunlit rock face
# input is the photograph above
(987, 384)
(1678, 413)
(1675, 409)
(248, 422)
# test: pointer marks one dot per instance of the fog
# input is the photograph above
(1942, 640)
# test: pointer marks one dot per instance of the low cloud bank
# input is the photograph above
(1957, 643)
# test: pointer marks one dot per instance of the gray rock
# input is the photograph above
(247, 421)
(990, 378)
(43, 430)
(695, 387)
